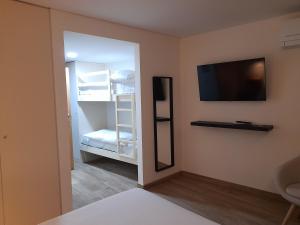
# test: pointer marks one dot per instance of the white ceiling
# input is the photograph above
(176, 17)
(97, 49)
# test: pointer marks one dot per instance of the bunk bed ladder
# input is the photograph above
(126, 98)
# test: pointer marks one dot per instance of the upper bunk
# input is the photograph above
(104, 85)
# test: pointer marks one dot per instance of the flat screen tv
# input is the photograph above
(243, 80)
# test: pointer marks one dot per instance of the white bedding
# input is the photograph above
(105, 139)
(133, 207)
(120, 88)
(120, 75)
(123, 82)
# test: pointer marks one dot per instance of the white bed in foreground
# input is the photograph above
(133, 207)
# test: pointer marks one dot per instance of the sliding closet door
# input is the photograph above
(2, 117)
(1, 199)
(29, 154)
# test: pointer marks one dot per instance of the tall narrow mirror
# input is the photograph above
(163, 122)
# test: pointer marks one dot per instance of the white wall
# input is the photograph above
(244, 157)
(74, 110)
(91, 117)
(87, 67)
(110, 115)
(123, 65)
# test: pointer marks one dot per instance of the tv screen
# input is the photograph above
(243, 80)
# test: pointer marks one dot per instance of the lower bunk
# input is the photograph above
(104, 143)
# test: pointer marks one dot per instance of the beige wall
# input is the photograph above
(243, 157)
(159, 54)
(29, 157)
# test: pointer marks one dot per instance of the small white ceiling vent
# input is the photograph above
(290, 36)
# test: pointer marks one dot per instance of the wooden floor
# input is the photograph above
(100, 179)
(224, 203)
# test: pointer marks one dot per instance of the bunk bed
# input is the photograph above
(123, 82)
(94, 86)
(118, 86)
(105, 139)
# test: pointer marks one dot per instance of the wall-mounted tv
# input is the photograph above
(243, 80)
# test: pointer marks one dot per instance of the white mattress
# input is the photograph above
(119, 75)
(123, 88)
(133, 207)
(123, 82)
(106, 139)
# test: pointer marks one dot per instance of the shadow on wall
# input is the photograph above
(93, 115)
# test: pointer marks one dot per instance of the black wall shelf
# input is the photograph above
(241, 126)
(162, 119)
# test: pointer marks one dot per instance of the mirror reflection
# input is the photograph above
(163, 122)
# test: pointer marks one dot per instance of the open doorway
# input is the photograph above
(101, 81)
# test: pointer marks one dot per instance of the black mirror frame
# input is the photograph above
(169, 119)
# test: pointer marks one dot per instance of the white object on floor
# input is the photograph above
(286, 178)
(294, 190)
(133, 207)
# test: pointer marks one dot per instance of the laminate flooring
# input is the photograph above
(224, 203)
(99, 179)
